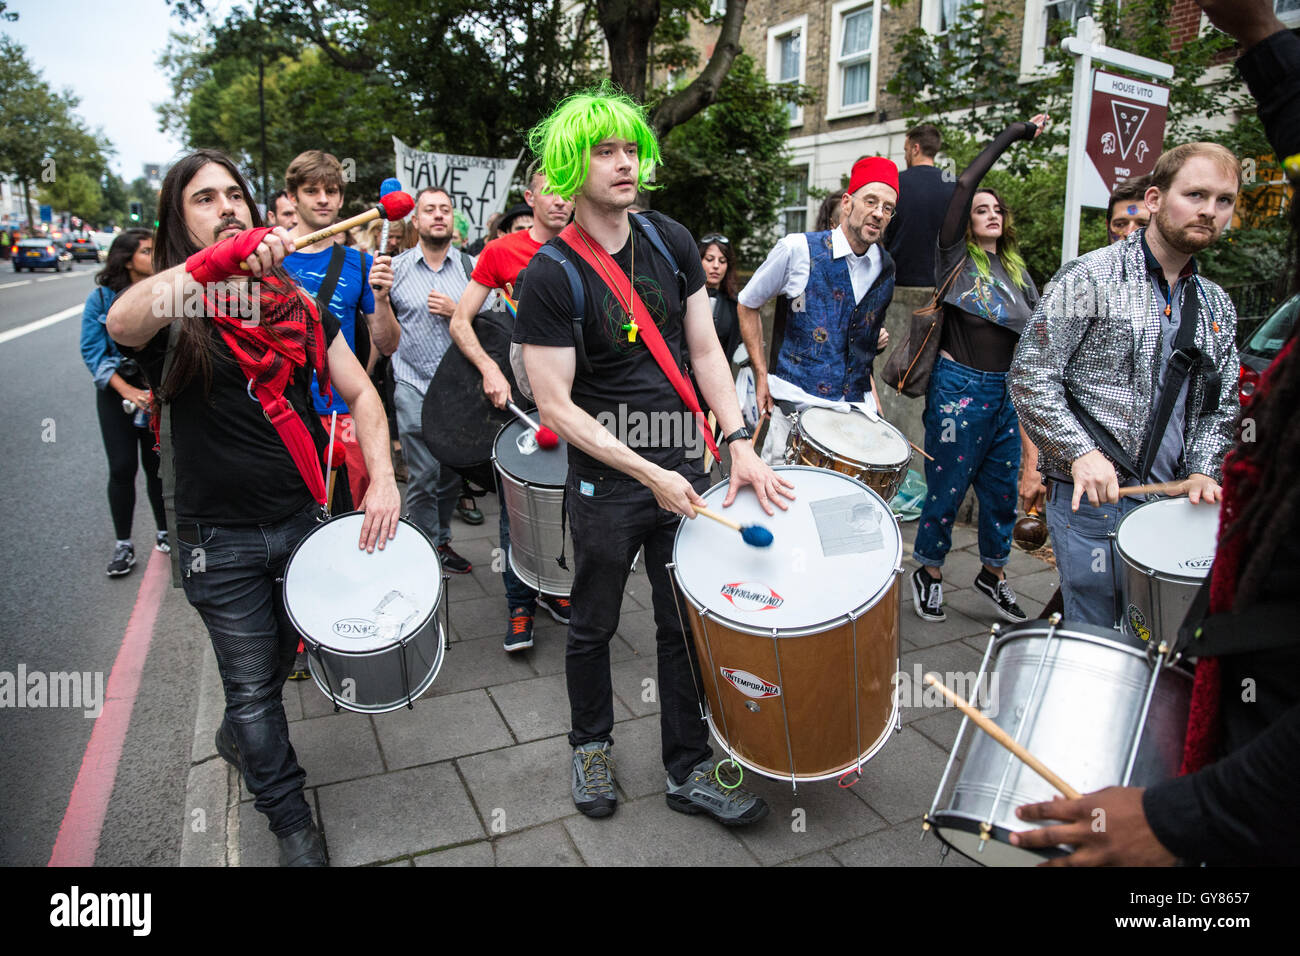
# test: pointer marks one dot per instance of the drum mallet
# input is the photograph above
(1170, 489)
(545, 437)
(1002, 737)
(396, 205)
(389, 185)
(752, 534)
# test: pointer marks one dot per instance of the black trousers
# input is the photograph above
(127, 447)
(611, 518)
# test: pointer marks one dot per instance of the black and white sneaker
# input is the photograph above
(927, 596)
(998, 590)
(123, 560)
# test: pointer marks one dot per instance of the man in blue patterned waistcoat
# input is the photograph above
(833, 289)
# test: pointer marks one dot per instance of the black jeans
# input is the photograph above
(611, 518)
(126, 445)
(231, 578)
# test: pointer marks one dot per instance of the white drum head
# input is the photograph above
(1171, 536)
(854, 435)
(354, 602)
(833, 552)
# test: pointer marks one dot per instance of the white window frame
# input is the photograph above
(783, 210)
(1032, 66)
(835, 73)
(1290, 19)
(797, 25)
(717, 9)
(930, 10)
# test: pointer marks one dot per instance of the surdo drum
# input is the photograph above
(1094, 710)
(798, 642)
(1165, 549)
(369, 621)
(874, 452)
(532, 480)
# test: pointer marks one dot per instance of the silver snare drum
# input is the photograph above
(1165, 550)
(369, 621)
(532, 492)
(1091, 708)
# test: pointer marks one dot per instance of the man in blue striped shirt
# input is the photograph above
(427, 284)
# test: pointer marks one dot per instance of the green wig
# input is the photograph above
(563, 140)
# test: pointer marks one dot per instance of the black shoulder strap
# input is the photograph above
(166, 459)
(1104, 439)
(1182, 361)
(579, 301)
(466, 263)
(338, 254)
(656, 240)
(1261, 627)
(360, 328)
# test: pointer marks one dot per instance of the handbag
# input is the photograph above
(907, 370)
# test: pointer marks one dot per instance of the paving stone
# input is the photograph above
(292, 697)
(539, 708)
(899, 782)
(315, 703)
(629, 679)
(638, 758)
(1022, 563)
(480, 616)
(919, 633)
(637, 628)
(959, 570)
(902, 845)
(403, 863)
(472, 854)
(257, 845)
(439, 728)
(955, 657)
(646, 833)
(521, 786)
(814, 859)
(978, 608)
(941, 728)
(1040, 585)
(827, 815)
(547, 845)
(465, 587)
(480, 663)
(399, 813)
(336, 749)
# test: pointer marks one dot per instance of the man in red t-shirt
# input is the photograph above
(497, 268)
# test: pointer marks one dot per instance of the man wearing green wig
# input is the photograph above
(597, 384)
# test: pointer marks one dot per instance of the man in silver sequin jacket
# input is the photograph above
(1104, 330)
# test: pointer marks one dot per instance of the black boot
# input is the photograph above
(303, 848)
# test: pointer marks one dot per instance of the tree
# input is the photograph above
(76, 192)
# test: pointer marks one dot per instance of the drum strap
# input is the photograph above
(1260, 627)
(166, 458)
(564, 518)
(1184, 359)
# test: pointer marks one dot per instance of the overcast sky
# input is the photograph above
(107, 53)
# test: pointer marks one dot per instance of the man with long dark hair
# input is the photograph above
(248, 452)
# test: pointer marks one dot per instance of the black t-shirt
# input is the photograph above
(910, 237)
(625, 386)
(231, 466)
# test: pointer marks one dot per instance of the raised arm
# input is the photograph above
(954, 221)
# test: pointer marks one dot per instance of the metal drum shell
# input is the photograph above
(1080, 723)
(827, 670)
(535, 511)
(883, 479)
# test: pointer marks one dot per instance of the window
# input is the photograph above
(1042, 17)
(1288, 11)
(785, 58)
(794, 202)
(939, 16)
(717, 9)
(853, 57)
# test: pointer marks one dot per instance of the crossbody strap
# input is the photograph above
(166, 457)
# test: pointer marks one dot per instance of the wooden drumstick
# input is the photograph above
(753, 534)
(1171, 489)
(1002, 737)
(760, 433)
(919, 451)
(395, 205)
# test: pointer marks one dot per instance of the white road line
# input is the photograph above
(41, 323)
(6, 285)
(66, 275)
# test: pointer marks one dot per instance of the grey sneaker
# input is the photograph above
(701, 793)
(123, 561)
(593, 779)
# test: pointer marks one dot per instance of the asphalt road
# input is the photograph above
(61, 613)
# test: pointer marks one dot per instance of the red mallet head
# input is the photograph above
(396, 206)
(547, 439)
(336, 462)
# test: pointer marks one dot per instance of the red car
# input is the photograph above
(1264, 344)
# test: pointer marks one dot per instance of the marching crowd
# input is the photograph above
(1123, 369)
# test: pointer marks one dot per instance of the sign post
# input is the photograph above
(1086, 46)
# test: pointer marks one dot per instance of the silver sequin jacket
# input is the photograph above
(1097, 331)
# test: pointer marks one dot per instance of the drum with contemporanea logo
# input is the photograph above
(1095, 710)
(798, 643)
(1165, 549)
(532, 481)
(369, 620)
(872, 451)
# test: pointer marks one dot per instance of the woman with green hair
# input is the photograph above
(972, 435)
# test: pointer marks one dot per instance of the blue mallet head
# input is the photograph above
(756, 535)
(389, 185)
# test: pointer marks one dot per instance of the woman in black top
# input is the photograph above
(720, 279)
(971, 430)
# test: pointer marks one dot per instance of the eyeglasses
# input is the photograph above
(716, 237)
(871, 204)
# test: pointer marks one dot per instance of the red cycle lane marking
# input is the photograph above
(83, 821)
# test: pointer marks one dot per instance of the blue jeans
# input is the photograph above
(518, 594)
(1085, 559)
(231, 577)
(609, 524)
(972, 432)
(431, 490)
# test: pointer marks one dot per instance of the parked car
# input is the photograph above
(83, 249)
(1264, 344)
(40, 254)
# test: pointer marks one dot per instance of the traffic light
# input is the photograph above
(137, 211)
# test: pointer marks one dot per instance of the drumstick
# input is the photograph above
(393, 206)
(760, 432)
(753, 534)
(329, 465)
(919, 450)
(545, 437)
(1002, 737)
(1171, 489)
(387, 186)
(708, 455)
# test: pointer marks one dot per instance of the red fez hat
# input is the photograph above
(873, 169)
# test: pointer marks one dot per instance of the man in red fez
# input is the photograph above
(833, 289)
